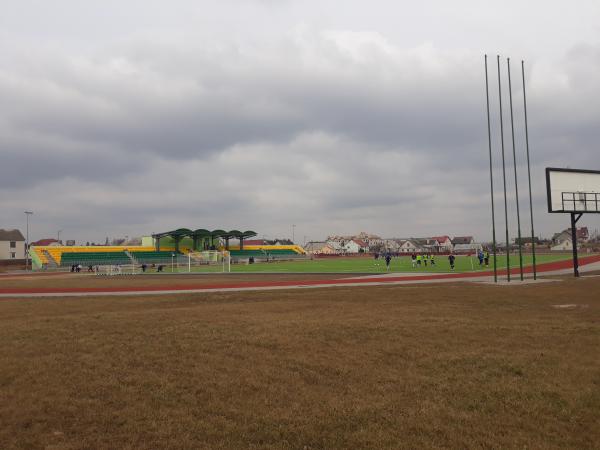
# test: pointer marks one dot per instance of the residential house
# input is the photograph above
(563, 240)
(461, 240)
(255, 242)
(337, 246)
(355, 246)
(12, 245)
(392, 245)
(46, 243)
(410, 246)
(562, 243)
(319, 248)
(444, 243)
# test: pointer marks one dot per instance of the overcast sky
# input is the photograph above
(130, 117)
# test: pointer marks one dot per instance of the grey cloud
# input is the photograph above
(314, 132)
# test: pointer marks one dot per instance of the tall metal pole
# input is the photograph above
(574, 244)
(487, 98)
(512, 128)
(504, 173)
(529, 173)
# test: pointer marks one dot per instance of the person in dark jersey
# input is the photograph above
(388, 260)
(451, 259)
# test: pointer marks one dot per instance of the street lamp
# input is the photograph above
(293, 233)
(58, 235)
(27, 214)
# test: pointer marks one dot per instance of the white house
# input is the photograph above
(336, 246)
(562, 241)
(392, 245)
(12, 244)
(319, 248)
(461, 240)
(444, 243)
(409, 246)
(355, 246)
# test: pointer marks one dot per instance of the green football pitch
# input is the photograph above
(370, 265)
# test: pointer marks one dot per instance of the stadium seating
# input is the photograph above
(152, 256)
(40, 254)
(94, 258)
(270, 253)
(247, 254)
(281, 252)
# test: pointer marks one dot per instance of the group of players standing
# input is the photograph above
(422, 260)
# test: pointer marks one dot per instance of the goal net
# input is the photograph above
(113, 269)
(205, 261)
(194, 262)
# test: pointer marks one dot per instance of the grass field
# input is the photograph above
(453, 366)
(401, 264)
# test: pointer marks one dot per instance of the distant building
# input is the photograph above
(460, 240)
(583, 235)
(46, 242)
(444, 243)
(12, 245)
(255, 242)
(564, 241)
(410, 246)
(355, 246)
(319, 248)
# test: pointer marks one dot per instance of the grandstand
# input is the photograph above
(160, 248)
(66, 256)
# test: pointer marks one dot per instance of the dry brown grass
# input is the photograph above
(84, 280)
(457, 366)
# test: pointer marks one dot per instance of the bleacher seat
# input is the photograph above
(153, 256)
(94, 258)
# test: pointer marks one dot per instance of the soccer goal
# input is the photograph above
(206, 261)
(114, 269)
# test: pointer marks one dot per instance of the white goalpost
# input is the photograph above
(208, 261)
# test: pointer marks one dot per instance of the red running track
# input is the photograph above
(546, 267)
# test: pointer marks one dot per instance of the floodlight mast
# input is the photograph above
(503, 172)
(512, 128)
(487, 97)
(529, 172)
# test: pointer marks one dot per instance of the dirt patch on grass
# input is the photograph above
(457, 366)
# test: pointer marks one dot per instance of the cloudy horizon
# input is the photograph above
(128, 118)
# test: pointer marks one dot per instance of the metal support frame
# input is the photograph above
(569, 201)
(574, 221)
